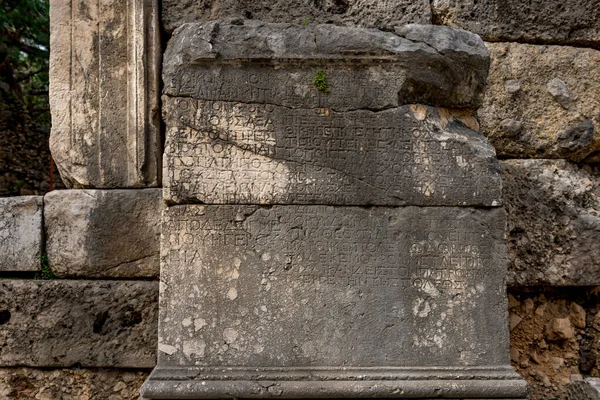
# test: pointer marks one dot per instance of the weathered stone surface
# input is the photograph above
(587, 389)
(549, 21)
(264, 63)
(78, 323)
(249, 126)
(381, 14)
(553, 222)
(224, 152)
(543, 102)
(70, 384)
(104, 92)
(103, 233)
(361, 295)
(20, 233)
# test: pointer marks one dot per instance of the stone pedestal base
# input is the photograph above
(306, 383)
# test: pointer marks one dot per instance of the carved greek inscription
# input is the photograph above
(222, 152)
(408, 248)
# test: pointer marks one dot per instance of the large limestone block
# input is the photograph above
(20, 233)
(257, 62)
(366, 13)
(70, 384)
(246, 124)
(323, 301)
(543, 102)
(78, 323)
(553, 223)
(588, 389)
(534, 21)
(104, 77)
(265, 154)
(103, 233)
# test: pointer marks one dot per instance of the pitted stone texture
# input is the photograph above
(338, 296)
(366, 68)
(381, 14)
(543, 102)
(342, 286)
(236, 153)
(70, 384)
(587, 389)
(553, 223)
(78, 323)
(104, 92)
(103, 233)
(548, 21)
(20, 233)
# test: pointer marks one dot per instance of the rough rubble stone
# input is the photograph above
(587, 389)
(225, 152)
(366, 13)
(103, 233)
(554, 113)
(20, 233)
(104, 92)
(549, 21)
(553, 211)
(60, 323)
(338, 293)
(70, 384)
(365, 68)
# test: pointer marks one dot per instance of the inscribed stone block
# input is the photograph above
(263, 300)
(246, 124)
(104, 92)
(20, 233)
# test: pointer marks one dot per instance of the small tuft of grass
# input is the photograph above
(320, 82)
(46, 273)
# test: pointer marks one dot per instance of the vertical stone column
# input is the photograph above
(350, 240)
(104, 92)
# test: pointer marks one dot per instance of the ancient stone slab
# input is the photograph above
(63, 323)
(20, 233)
(225, 152)
(302, 301)
(587, 389)
(104, 92)
(70, 384)
(103, 233)
(543, 102)
(382, 14)
(553, 222)
(549, 21)
(257, 62)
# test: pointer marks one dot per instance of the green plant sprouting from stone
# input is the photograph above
(320, 82)
(306, 21)
(45, 273)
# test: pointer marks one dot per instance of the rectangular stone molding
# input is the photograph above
(246, 123)
(103, 233)
(104, 77)
(20, 233)
(61, 323)
(303, 301)
(587, 389)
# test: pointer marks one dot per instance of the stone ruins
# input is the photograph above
(337, 249)
(322, 199)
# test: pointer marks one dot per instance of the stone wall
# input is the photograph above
(90, 338)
